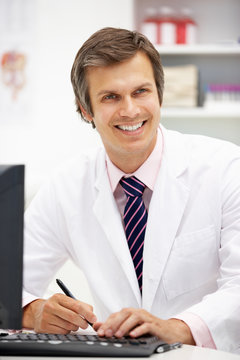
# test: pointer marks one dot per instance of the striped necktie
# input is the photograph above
(135, 221)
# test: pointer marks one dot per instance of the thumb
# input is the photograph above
(97, 325)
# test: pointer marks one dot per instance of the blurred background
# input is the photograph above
(39, 127)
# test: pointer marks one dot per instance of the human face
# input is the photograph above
(126, 109)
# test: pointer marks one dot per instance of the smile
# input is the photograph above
(130, 127)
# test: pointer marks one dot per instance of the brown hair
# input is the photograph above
(106, 47)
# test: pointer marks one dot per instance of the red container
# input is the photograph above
(186, 28)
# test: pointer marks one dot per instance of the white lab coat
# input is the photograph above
(192, 240)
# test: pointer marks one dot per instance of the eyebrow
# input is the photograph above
(103, 92)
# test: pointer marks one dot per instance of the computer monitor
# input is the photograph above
(11, 245)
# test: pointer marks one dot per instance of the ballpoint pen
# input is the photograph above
(167, 347)
(68, 293)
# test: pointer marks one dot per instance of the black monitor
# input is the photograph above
(11, 245)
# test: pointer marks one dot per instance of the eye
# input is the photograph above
(110, 97)
(141, 91)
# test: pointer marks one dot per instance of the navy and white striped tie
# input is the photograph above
(135, 221)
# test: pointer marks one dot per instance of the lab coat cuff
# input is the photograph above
(27, 298)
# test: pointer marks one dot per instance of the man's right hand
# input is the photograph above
(59, 314)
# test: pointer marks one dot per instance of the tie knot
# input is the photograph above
(132, 186)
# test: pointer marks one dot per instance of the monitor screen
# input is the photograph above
(11, 245)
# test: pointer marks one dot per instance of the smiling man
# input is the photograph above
(152, 218)
(126, 110)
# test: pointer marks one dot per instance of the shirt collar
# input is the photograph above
(147, 172)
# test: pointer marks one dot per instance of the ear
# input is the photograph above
(86, 115)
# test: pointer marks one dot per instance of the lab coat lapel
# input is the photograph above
(166, 210)
(108, 216)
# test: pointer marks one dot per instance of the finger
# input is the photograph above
(53, 324)
(137, 317)
(130, 323)
(87, 312)
(145, 328)
(97, 325)
(79, 307)
(71, 317)
(113, 323)
(47, 319)
(62, 308)
(64, 324)
(51, 329)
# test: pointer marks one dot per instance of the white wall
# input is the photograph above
(53, 131)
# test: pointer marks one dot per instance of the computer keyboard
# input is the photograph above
(80, 345)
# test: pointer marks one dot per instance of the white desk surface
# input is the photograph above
(187, 352)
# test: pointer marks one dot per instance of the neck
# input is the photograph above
(130, 162)
(127, 164)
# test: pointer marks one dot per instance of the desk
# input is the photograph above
(187, 352)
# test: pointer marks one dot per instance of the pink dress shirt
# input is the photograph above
(147, 173)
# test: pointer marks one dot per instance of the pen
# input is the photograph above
(68, 293)
(166, 347)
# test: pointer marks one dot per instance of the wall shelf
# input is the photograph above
(199, 49)
(201, 112)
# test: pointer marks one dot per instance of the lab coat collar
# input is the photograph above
(166, 210)
(108, 216)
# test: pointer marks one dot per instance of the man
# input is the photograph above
(152, 218)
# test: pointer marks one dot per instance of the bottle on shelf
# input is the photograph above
(150, 25)
(186, 27)
(222, 95)
(167, 26)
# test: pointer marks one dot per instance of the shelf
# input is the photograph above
(199, 49)
(200, 112)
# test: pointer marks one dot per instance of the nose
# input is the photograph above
(129, 108)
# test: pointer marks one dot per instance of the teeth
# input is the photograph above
(130, 128)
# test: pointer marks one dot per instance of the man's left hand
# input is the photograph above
(137, 322)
